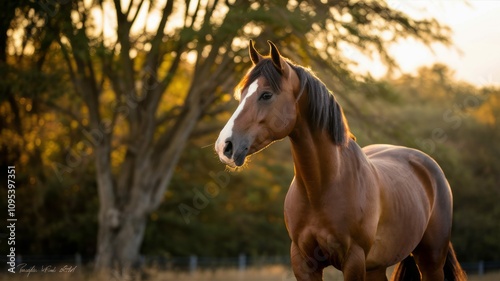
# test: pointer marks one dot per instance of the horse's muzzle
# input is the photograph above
(232, 152)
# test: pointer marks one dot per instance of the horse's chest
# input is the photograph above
(329, 217)
(325, 234)
(316, 234)
(322, 245)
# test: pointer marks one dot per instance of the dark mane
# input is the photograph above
(325, 112)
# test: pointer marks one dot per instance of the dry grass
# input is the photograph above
(268, 273)
(265, 273)
(490, 276)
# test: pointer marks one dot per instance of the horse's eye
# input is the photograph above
(266, 96)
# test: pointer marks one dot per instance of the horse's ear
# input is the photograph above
(254, 55)
(278, 62)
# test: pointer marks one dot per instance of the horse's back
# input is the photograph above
(390, 158)
(399, 164)
(413, 193)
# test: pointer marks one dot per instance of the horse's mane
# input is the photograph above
(324, 109)
(325, 112)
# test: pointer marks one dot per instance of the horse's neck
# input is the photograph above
(318, 162)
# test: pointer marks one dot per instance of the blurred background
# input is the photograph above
(109, 111)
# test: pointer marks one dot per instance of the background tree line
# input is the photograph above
(100, 122)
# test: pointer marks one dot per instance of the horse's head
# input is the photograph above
(267, 109)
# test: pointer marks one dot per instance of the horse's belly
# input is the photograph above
(405, 212)
(384, 253)
(397, 237)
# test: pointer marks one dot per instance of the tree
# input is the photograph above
(123, 67)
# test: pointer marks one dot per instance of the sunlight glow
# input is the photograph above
(474, 54)
(474, 57)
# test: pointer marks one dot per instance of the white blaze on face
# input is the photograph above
(227, 131)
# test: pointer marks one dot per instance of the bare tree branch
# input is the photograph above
(139, 6)
(153, 58)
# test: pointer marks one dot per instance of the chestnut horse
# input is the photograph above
(360, 210)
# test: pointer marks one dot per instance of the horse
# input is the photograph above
(360, 210)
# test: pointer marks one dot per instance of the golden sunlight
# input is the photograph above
(474, 55)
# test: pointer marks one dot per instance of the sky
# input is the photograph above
(475, 54)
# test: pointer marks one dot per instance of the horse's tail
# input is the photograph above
(407, 269)
(452, 269)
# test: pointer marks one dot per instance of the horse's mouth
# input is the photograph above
(239, 157)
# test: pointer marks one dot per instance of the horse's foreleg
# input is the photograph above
(305, 269)
(354, 264)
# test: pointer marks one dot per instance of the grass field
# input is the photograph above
(267, 273)
(278, 273)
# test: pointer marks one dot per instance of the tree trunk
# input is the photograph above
(126, 206)
(118, 247)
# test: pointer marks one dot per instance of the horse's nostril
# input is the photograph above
(228, 149)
